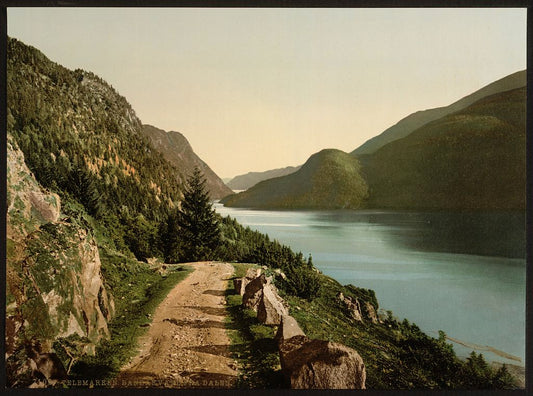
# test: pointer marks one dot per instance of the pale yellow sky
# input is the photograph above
(257, 89)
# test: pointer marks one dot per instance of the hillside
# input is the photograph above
(177, 150)
(414, 121)
(244, 182)
(472, 159)
(330, 179)
(72, 124)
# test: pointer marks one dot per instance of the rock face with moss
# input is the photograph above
(330, 179)
(54, 284)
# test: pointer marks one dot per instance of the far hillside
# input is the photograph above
(472, 159)
(177, 150)
(244, 182)
(330, 179)
(416, 120)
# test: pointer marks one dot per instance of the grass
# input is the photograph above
(137, 291)
(252, 343)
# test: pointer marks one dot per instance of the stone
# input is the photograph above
(287, 329)
(270, 308)
(371, 312)
(253, 292)
(318, 364)
(353, 306)
(253, 273)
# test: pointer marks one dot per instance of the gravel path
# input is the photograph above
(186, 345)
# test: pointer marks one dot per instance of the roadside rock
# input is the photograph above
(240, 283)
(253, 292)
(288, 329)
(318, 364)
(270, 308)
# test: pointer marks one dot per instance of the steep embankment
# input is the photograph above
(472, 159)
(416, 120)
(244, 182)
(177, 150)
(330, 179)
(55, 289)
(186, 345)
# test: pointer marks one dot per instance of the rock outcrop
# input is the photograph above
(353, 307)
(371, 312)
(55, 287)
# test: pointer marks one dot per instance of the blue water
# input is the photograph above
(464, 273)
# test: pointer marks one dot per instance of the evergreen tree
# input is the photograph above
(197, 220)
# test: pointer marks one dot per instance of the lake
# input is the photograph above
(463, 273)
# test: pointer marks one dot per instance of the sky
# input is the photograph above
(257, 89)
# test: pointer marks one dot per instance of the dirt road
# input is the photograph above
(186, 345)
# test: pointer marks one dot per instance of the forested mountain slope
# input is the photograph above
(472, 159)
(414, 121)
(330, 179)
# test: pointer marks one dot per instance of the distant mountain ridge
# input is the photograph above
(244, 182)
(329, 179)
(471, 159)
(414, 121)
(177, 150)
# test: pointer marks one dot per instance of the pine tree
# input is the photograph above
(197, 220)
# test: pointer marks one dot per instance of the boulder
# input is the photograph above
(288, 329)
(240, 283)
(253, 292)
(270, 308)
(318, 364)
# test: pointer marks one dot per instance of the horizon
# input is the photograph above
(267, 88)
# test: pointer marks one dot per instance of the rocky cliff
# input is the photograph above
(55, 290)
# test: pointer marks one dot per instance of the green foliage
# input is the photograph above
(197, 221)
(241, 244)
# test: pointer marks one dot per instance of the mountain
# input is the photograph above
(72, 125)
(244, 182)
(177, 150)
(472, 159)
(414, 121)
(330, 179)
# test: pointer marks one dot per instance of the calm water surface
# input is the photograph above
(464, 273)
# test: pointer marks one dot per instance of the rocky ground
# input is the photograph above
(186, 345)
